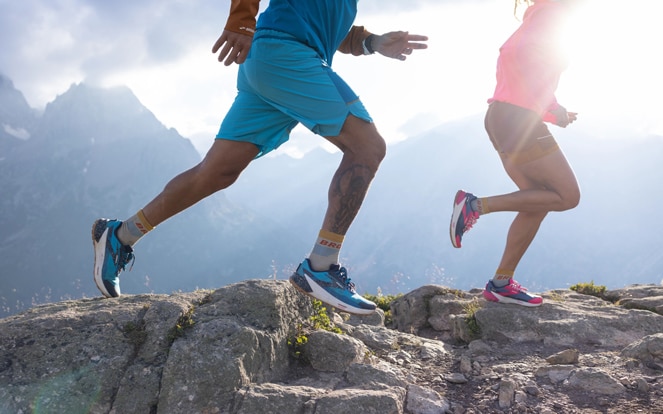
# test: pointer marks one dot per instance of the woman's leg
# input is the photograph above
(546, 184)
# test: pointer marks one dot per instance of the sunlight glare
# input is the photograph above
(614, 63)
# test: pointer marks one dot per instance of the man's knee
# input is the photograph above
(378, 151)
(368, 149)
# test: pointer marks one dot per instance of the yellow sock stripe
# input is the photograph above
(483, 206)
(143, 219)
(337, 238)
(502, 274)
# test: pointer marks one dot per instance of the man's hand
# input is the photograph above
(235, 47)
(397, 45)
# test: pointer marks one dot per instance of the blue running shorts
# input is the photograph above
(282, 83)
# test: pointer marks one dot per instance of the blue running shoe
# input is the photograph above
(333, 287)
(110, 256)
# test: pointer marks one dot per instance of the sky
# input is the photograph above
(161, 50)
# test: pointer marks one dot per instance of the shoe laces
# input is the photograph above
(470, 219)
(342, 275)
(125, 256)
(516, 286)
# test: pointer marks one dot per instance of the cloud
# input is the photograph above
(19, 133)
(71, 40)
(161, 49)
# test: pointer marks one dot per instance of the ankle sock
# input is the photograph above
(326, 250)
(480, 205)
(502, 277)
(133, 228)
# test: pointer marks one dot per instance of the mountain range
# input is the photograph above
(96, 152)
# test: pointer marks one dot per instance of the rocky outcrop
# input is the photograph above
(253, 347)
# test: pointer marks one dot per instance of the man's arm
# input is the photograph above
(242, 16)
(235, 42)
(354, 42)
(396, 45)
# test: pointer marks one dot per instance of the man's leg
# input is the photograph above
(320, 275)
(218, 170)
(363, 150)
(113, 239)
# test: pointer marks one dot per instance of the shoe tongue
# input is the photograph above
(334, 268)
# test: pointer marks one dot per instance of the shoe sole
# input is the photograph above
(99, 249)
(496, 297)
(320, 294)
(457, 209)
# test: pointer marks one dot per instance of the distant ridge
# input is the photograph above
(100, 153)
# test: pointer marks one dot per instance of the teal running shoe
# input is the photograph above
(333, 287)
(110, 256)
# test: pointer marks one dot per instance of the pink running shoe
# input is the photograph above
(463, 217)
(511, 293)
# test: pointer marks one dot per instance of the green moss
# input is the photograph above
(470, 309)
(184, 322)
(384, 302)
(319, 320)
(589, 289)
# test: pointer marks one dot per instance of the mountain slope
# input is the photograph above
(100, 153)
(400, 238)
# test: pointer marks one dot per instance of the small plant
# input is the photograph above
(384, 302)
(320, 319)
(589, 289)
(471, 309)
(556, 297)
(183, 322)
(207, 298)
(297, 342)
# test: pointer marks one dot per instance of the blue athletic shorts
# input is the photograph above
(282, 83)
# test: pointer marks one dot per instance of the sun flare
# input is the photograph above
(615, 62)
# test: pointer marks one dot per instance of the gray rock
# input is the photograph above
(274, 398)
(595, 381)
(566, 322)
(506, 393)
(380, 374)
(233, 351)
(648, 350)
(565, 357)
(422, 400)
(556, 373)
(362, 402)
(411, 312)
(331, 352)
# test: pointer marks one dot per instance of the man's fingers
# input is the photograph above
(417, 45)
(235, 56)
(219, 42)
(417, 38)
(224, 52)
